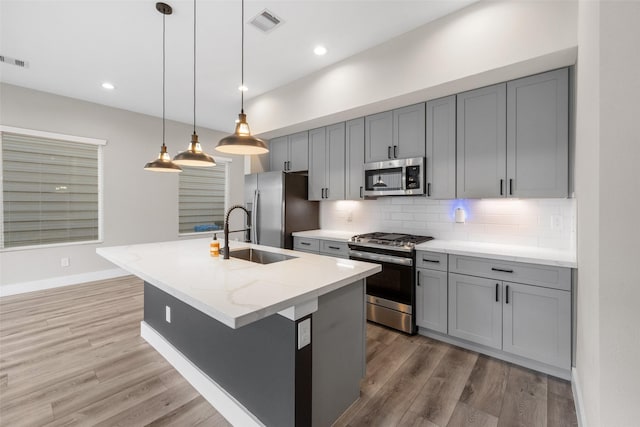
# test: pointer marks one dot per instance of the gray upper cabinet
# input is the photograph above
(537, 323)
(290, 153)
(327, 163)
(354, 174)
(475, 310)
(538, 135)
(378, 137)
(481, 142)
(409, 131)
(441, 148)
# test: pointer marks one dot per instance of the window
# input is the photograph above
(202, 198)
(51, 188)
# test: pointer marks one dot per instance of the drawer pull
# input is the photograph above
(497, 298)
(431, 260)
(502, 270)
(334, 247)
(305, 243)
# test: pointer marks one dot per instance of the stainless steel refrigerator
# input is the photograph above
(278, 205)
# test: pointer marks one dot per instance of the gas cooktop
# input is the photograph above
(389, 240)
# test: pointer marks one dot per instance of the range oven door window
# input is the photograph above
(394, 282)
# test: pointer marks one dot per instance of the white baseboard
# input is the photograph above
(56, 282)
(222, 401)
(577, 398)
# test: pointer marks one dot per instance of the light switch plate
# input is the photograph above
(304, 333)
(167, 313)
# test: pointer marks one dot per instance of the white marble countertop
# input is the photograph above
(336, 235)
(235, 292)
(529, 254)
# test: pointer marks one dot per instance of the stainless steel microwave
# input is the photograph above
(400, 177)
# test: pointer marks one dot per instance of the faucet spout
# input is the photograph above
(225, 250)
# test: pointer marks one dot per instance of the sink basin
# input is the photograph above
(258, 256)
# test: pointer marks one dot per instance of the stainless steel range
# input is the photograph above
(391, 293)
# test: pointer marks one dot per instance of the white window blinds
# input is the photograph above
(201, 200)
(50, 191)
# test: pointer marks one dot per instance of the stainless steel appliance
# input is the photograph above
(391, 295)
(394, 177)
(278, 206)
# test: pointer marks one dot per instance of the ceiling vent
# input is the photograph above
(266, 21)
(12, 61)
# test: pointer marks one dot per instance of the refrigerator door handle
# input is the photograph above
(254, 219)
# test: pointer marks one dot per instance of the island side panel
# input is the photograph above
(338, 337)
(256, 363)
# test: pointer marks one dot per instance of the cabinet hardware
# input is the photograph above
(305, 243)
(501, 192)
(431, 260)
(361, 192)
(497, 286)
(507, 295)
(389, 152)
(502, 270)
(418, 278)
(428, 189)
(511, 186)
(284, 167)
(326, 192)
(395, 151)
(334, 247)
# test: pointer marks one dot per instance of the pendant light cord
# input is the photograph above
(194, 66)
(163, 73)
(242, 63)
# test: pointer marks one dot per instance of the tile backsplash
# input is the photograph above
(547, 223)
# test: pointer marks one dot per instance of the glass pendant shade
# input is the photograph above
(241, 142)
(194, 156)
(163, 163)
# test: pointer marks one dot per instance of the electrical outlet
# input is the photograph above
(304, 333)
(167, 313)
(350, 216)
(556, 222)
(64, 262)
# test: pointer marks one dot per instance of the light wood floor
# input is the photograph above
(74, 356)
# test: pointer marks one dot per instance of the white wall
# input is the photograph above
(518, 222)
(485, 43)
(139, 206)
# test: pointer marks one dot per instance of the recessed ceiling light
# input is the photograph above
(320, 50)
(107, 85)
(243, 88)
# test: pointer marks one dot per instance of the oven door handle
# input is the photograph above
(381, 258)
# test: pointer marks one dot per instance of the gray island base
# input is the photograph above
(270, 372)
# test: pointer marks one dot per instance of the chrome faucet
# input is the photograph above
(225, 250)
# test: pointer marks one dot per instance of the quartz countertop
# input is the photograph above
(235, 292)
(529, 254)
(335, 235)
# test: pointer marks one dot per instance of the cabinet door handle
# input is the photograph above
(389, 152)
(497, 292)
(501, 192)
(501, 270)
(284, 166)
(326, 193)
(507, 295)
(418, 278)
(428, 189)
(511, 186)
(361, 192)
(395, 151)
(431, 260)
(334, 247)
(323, 193)
(305, 243)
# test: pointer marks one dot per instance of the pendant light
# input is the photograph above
(241, 142)
(380, 182)
(163, 163)
(194, 156)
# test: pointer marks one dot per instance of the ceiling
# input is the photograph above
(71, 47)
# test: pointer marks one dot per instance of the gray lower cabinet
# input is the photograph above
(334, 248)
(354, 150)
(475, 310)
(290, 153)
(327, 163)
(431, 299)
(441, 148)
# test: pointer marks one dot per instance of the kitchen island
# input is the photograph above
(279, 344)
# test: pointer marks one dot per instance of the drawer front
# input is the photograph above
(532, 274)
(306, 244)
(337, 249)
(431, 260)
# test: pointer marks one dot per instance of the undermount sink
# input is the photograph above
(258, 256)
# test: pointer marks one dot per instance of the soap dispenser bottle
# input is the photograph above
(214, 246)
